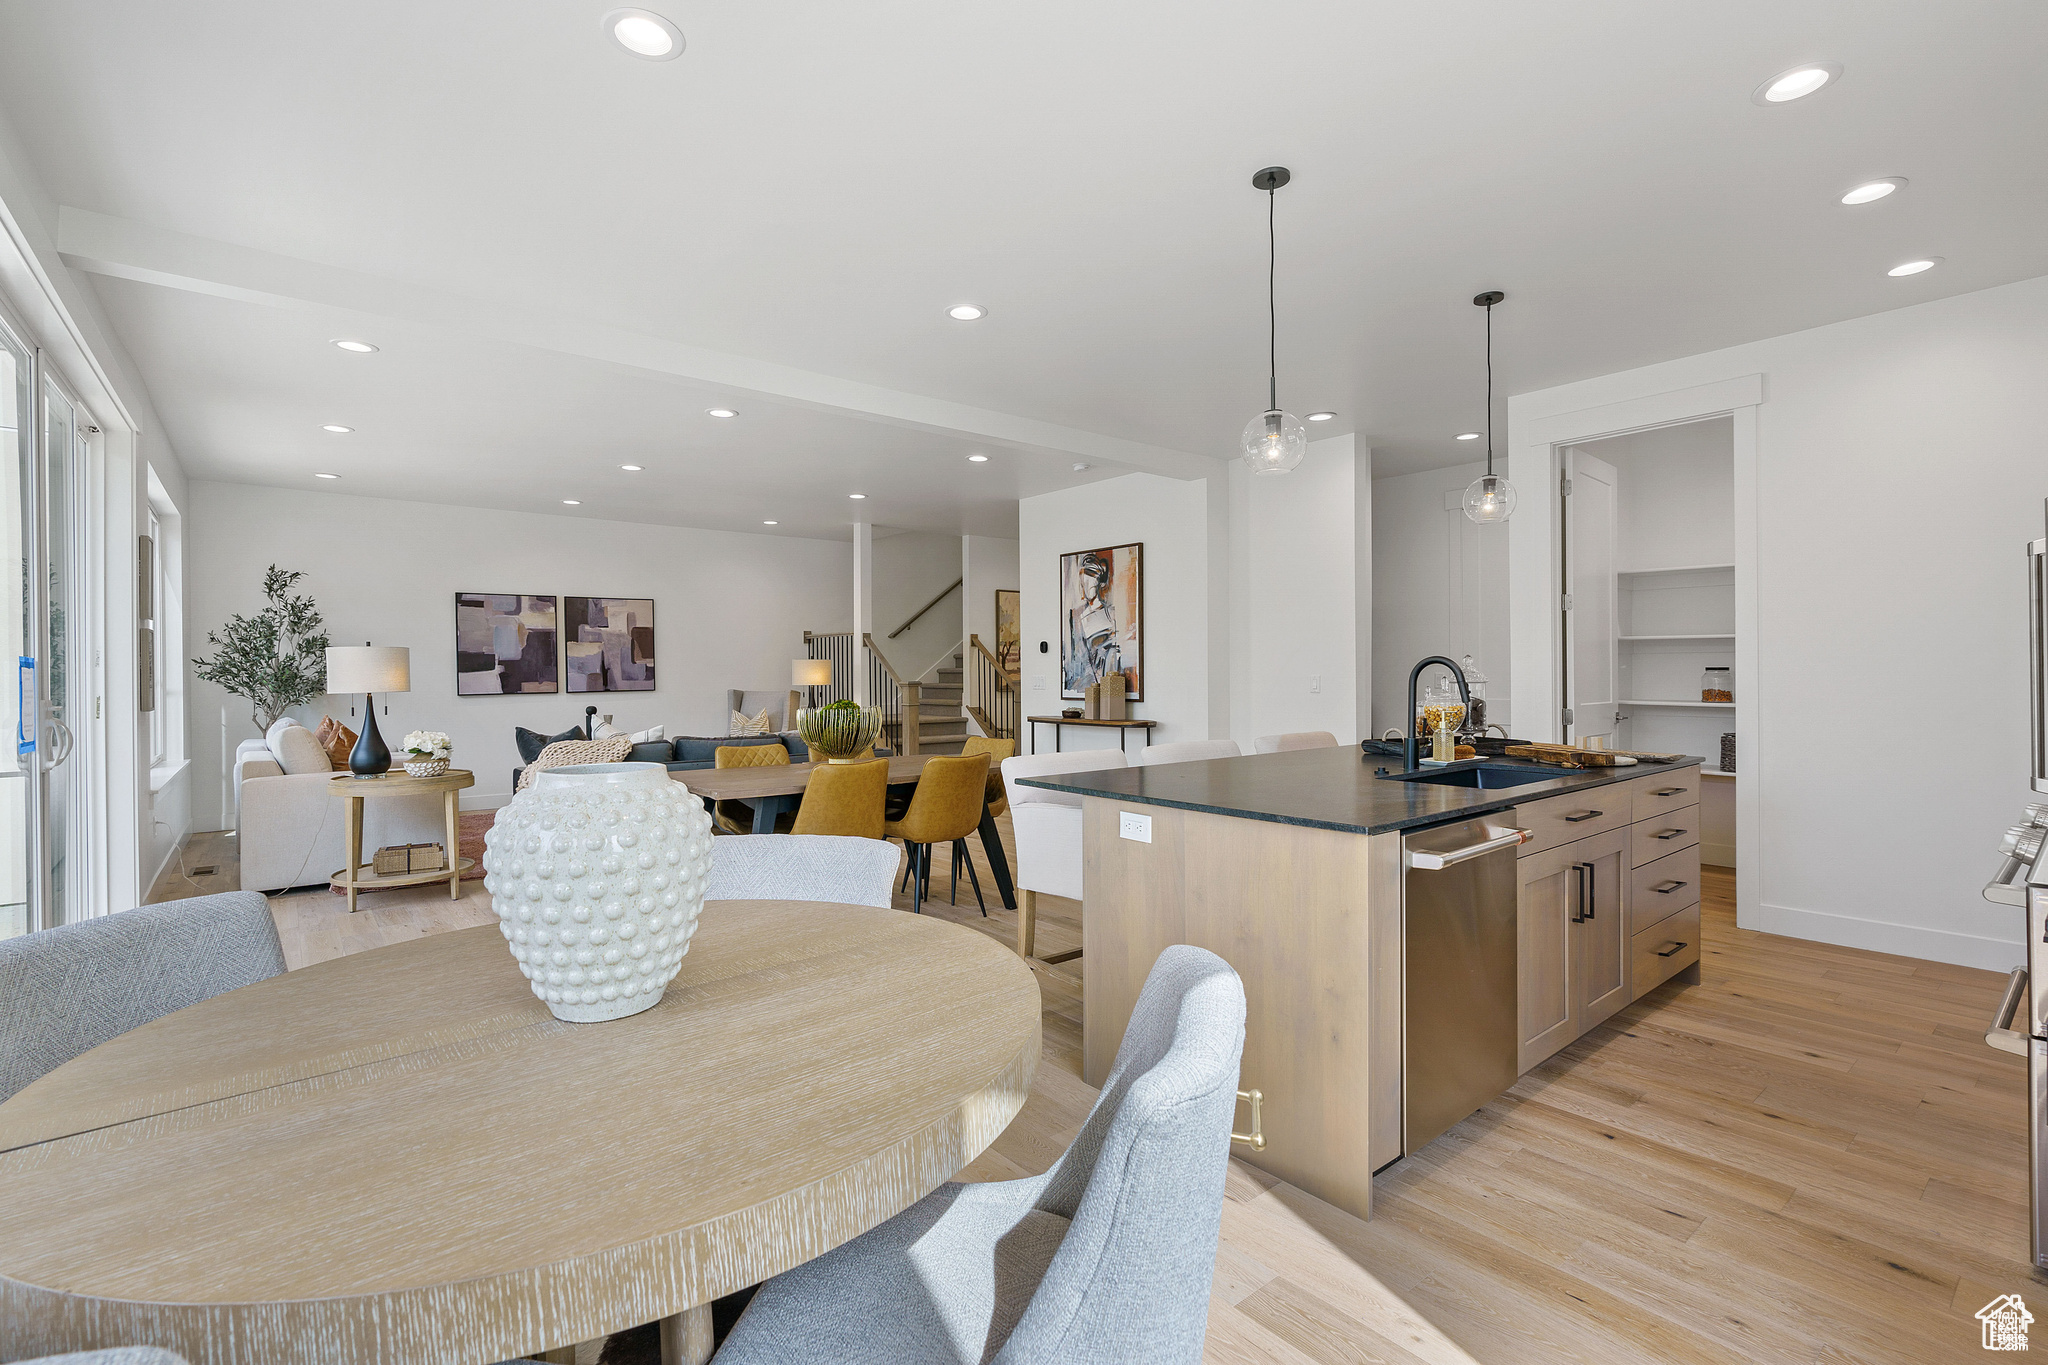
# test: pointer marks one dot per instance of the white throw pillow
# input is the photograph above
(743, 724)
(297, 749)
(607, 730)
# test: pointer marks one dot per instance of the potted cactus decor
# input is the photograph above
(841, 732)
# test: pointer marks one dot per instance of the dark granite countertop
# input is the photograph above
(1330, 788)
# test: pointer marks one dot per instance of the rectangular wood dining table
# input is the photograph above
(773, 790)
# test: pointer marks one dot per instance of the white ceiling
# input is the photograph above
(810, 185)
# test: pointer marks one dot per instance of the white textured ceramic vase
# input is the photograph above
(597, 874)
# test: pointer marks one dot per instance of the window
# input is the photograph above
(164, 614)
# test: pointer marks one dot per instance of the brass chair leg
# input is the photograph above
(1027, 922)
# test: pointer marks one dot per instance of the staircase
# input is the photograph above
(941, 723)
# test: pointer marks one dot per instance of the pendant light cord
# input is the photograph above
(1489, 390)
(1272, 310)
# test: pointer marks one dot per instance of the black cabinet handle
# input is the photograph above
(1584, 815)
(1579, 896)
(1674, 950)
(1668, 834)
(1669, 791)
(1592, 893)
(1666, 888)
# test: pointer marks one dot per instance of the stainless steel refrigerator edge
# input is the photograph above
(1459, 947)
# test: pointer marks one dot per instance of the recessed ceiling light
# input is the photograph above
(771, 523)
(350, 344)
(722, 412)
(570, 502)
(856, 496)
(327, 476)
(1874, 190)
(337, 429)
(1915, 267)
(1797, 83)
(966, 312)
(978, 459)
(630, 468)
(645, 34)
(1079, 466)
(1468, 435)
(1321, 416)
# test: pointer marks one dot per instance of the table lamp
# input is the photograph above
(369, 669)
(806, 673)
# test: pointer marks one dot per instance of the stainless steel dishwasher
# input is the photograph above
(1459, 946)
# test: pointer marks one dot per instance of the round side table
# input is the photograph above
(355, 790)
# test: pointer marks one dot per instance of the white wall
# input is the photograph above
(987, 564)
(1296, 576)
(1171, 518)
(730, 611)
(911, 568)
(1440, 586)
(1899, 473)
(1675, 488)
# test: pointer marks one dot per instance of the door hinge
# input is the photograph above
(1565, 484)
(1567, 600)
(1567, 715)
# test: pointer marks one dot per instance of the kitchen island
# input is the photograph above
(1290, 866)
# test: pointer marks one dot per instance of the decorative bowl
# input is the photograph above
(425, 767)
(838, 733)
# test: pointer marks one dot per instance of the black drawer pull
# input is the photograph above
(1670, 791)
(1668, 834)
(1666, 888)
(1584, 815)
(1674, 950)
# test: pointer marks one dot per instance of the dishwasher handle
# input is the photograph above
(1435, 860)
(2002, 1035)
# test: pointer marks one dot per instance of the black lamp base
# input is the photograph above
(369, 758)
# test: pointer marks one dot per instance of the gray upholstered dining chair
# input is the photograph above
(802, 867)
(69, 989)
(1185, 751)
(1104, 1259)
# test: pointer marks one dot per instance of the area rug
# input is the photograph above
(471, 826)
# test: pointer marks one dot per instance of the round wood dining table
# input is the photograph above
(401, 1157)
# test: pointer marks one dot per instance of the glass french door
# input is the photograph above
(44, 835)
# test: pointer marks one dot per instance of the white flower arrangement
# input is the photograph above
(428, 744)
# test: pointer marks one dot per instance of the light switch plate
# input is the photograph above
(1130, 825)
(1038, 682)
(1315, 682)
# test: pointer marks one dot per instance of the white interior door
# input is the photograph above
(20, 789)
(1589, 607)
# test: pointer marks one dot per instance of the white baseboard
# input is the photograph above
(1880, 936)
(1717, 855)
(476, 800)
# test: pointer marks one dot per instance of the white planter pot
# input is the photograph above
(597, 873)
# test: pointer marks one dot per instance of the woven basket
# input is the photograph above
(425, 767)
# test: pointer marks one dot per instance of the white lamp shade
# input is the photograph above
(369, 668)
(810, 672)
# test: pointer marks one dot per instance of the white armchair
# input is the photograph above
(1048, 829)
(289, 826)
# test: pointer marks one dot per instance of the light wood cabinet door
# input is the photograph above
(1600, 948)
(1546, 910)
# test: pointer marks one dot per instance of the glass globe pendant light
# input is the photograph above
(1490, 497)
(1274, 441)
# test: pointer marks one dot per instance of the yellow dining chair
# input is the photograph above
(945, 809)
(845, 798)
(737, 817)
(998, 795)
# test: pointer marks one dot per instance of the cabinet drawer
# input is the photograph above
(1663, 835)
(1578, 815)
(1651, 893)
(1663, 950)
(1655, 796)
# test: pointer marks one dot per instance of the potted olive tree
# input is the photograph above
(277, 659)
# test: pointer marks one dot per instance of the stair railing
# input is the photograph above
(838, 647)
(919, 613)
(993, 698)
(898, 700)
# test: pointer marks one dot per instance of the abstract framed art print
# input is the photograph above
(504, 644)
(609, 643)
(1102, 619)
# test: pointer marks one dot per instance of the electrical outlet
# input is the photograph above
(1132, 826)
(1315, 682)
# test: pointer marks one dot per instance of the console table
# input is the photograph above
(1057, 722)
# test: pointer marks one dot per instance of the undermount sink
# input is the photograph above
(1485, 775)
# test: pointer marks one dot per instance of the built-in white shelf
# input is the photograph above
(1713, 772)
(1626, 638)
(1675, 568)
(1703, 705)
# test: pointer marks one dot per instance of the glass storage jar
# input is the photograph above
(1717, 684)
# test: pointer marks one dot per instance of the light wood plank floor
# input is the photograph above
(1810, 1157)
